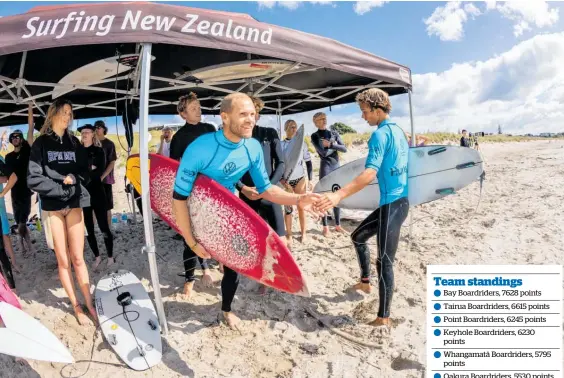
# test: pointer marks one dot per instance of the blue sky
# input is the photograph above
(475, 64)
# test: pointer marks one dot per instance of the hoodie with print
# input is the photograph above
(52, 159)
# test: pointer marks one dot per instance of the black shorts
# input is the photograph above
(22, 209)
(109, 196)
(270, 212)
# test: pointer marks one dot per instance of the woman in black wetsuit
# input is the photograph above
(57, 169)
(96, 164)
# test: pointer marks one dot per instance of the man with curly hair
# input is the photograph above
(387, 160)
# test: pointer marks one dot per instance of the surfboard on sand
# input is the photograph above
(133, 329)
(296, 146)
(434, 172)
(25, 337)
(227, 228)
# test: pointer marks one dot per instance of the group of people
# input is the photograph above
(259, 155)
(73, 179)
(69, 176)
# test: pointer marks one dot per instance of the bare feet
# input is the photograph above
(111, 261)
(207, 279)
(80, 315)
(326, 231)
(97, 262)
(303, 238)
(289, 241)
(188, 289)
(365, 287)
(380, 322)
(93, 314)
(220, 268)
(340, 229)
(232, 321)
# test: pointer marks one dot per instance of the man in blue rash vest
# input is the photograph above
(387, 160)
(225, 156)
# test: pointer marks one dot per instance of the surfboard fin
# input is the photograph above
(437, 150)
(445, 191)
(466, 165)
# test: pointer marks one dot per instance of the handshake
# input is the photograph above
(314, 203)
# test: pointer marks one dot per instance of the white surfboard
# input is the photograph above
(23, 336)
(237, 70)
(134, 335)
(434, 172)
(96, 71)
(296, 154)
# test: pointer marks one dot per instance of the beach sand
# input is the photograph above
(520, 220)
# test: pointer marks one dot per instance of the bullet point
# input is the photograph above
(437, 375)
(437, 332)
(437, 319)
(437, 354)
(437, 306)
(437, 293)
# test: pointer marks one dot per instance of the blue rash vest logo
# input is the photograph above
(229, 168)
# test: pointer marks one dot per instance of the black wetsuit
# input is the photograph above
(274, 164)
(98, 201)
(17, 163)
(180, 141)
(329, 159)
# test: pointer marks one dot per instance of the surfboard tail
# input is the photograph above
(25, 337)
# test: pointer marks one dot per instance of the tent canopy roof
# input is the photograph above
(39, 48)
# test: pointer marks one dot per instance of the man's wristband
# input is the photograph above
(239, 186)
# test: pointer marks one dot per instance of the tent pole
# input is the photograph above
(279, 112)
(144, 156)
(413, 137)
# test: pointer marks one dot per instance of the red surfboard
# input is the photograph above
(6, 294)
(225, 226)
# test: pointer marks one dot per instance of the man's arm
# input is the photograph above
(11, 182)
(356, 185)
(319, 147)
(111, 163)
(30, 123)
(338, 145)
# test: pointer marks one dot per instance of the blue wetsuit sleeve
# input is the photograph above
(188, 172)
(376, 149)
(257, 170)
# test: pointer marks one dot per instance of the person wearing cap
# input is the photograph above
(17, 163)
(96, 165)
(108, 176)
(166, 138)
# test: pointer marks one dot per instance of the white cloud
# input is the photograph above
(291, 5)
(521, 89)
(448, 22)
(527, 14)
(362, 7)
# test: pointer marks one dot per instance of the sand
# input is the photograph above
(520, 220)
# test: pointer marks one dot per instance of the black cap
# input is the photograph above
(15, 133)
(87, 126)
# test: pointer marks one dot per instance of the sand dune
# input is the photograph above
(520, 220)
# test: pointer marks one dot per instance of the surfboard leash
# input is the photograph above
(90, 361)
